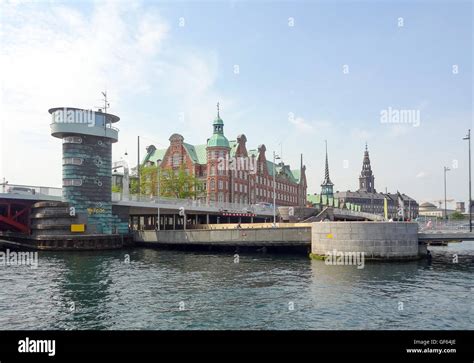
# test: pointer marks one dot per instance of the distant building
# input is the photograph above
(228, 172)
(460, 207)
(430, 210)
(372, 202)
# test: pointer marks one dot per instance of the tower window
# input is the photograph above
(72, 140)
(72, 182)
(72, 161)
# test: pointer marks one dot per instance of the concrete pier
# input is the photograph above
(378, 240)
(245, 237)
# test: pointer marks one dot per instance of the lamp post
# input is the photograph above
(138, 166)
(446, 169)
(275, 157)
(158, 171)
(468, 138)
(4, 184)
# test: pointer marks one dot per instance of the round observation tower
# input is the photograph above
(87, 164)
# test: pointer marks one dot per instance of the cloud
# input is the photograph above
(58, 55)
(421, 175)
(300, 123)
(304, 126)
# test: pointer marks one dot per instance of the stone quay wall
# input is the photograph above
(378, 240)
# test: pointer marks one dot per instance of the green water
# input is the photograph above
(160, 289)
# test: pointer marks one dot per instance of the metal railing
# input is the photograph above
(34, 190)
(109, 126)
(30, 190)
(443, 225)
(177, 202)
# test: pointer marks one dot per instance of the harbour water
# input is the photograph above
(162, 289)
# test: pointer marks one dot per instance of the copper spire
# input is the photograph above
(327, 180)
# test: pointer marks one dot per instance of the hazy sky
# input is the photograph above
(287, 75)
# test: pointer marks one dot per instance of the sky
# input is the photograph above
(286, 74)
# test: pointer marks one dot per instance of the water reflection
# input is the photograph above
(185, 290)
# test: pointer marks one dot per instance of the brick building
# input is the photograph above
(229, 172)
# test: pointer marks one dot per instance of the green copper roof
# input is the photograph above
(233, 147)
(218, 140)
(279, 169)
(155, 155)
(218, 121)
(297, 175)
(197, 153)
(313, 198)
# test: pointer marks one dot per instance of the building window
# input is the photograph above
(220, 197)
(72, 140)
(72, 161)
(72, 182)
(176, 160)
(221, 185)
(213, 170)
(212, 184)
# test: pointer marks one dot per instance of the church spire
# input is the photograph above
(366, 179)
(327, 180)
(326, 186)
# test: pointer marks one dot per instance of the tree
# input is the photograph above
(456, 216)
(176, 183)
(116, 189)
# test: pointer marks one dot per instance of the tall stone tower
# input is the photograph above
(87, 138)
(218, 148)
(366, 179)
(327, 185)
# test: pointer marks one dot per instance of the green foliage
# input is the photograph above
(133, 185)
(457, 216)
(175, 183)
(116, 189)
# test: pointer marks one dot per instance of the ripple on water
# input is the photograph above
(185, 290)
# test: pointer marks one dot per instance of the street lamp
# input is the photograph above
(468, 137)
(275, 157)
(5, 182)
(446, 169)
(158, 171)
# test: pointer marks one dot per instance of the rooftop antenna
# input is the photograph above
(105, 107)
(106, 102)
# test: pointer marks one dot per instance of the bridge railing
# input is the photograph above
(35, 190)
(30, 190)
(177, 202)
(442, 225)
